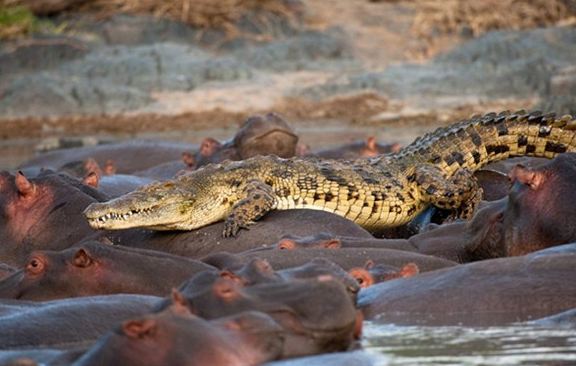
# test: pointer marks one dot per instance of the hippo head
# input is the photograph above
(48, 275)
(320, 240)
(373, 273)
(177, 337)
(540, 212)
(41, 213)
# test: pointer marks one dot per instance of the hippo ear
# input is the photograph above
(188, 159)
(225, 289)
(229, 275)
(209, 146)
(110, 167)
(91, 179)
(140, 328)
(529, 177)
(263, 265)
(179, 303)
(362, 276)
(23, 185)
(395, 147)
(332, 244)
(409, 270)
(287, 244)
(369, 264)
(92, 166)
(82, 259)
(371, 144)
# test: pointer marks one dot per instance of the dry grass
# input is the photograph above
(435, 17)
(204, 14)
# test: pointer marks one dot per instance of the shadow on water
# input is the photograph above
(507, 345)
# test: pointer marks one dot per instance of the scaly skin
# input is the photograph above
(386, 191)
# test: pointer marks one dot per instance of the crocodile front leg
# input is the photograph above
(258, 200)
(460, 193)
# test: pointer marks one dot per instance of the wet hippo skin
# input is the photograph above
(491, 292)
(93, 268)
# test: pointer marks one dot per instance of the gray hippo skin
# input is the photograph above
(176, 337)
(491, 292)
(66, 324)
(94, 268)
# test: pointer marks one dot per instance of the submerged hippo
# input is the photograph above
(490, 292)
(177, 337)
(94, 268)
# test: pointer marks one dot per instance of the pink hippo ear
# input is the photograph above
(179, 304)
(110, 167)
(371, 143)
(409, 270)
(231, 276)
(24, 186)
(529, 177)
(333, 243)
(369, 264)
(209, 146)
(286, 244)
(189, 160)
(91, 165)
(91, 179)
(362, 276)
(82, 259)
(139, 329)
(225, 289)
(263, 265)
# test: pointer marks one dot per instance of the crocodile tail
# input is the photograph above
(480, 140)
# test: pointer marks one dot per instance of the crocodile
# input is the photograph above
(382, 192)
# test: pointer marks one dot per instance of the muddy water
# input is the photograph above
(510, 345)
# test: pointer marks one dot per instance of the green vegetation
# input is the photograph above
(18, 21)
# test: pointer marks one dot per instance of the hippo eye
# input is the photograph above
(360, 280)
(35, 266)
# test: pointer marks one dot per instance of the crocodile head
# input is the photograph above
(186, 203)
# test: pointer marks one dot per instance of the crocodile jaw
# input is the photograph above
(121, 214)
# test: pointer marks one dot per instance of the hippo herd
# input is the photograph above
(300, 283)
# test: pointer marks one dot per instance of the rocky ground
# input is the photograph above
(353, 68)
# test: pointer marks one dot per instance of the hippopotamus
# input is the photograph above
(462, 242)
(309, 328)
(93, 268)
(264, 135)
(368, 148)
(249, 272)
(485, 293)
(170, 169)
(68, 323)
(565, 319)
(6, 270)
(267, 134)
(115, 185)
(177, 337)
(42, 213)
(348, 258)
(539, 213)
(128, 157)
(373, 273)
(207, 240)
